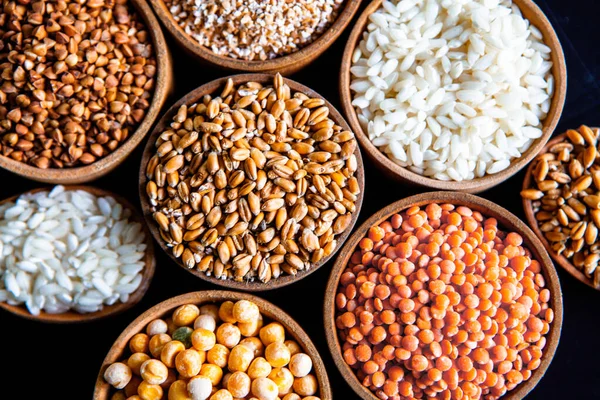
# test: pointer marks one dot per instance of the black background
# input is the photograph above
(46, 361)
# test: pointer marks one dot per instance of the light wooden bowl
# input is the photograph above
(506, 220)
(71, 316)
(163, 87)
(195, 96)
(119, 349)
(285, 65)
(394, 171)
(533, 223)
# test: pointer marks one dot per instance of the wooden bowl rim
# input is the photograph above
(306, 54)
(267, 309)
(195, 96)
(530, 216)
(506, 220)
(70, 316)
(82, 174)
(559, 72)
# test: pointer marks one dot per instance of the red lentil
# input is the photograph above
(439, 302)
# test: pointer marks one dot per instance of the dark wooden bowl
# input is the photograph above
(285, 65)
(195, 96)
(394, 171)
(102, 390)
(507, 220)
(533, 223)
(164, 86)
(71, 316)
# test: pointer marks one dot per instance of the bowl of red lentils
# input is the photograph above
(443, 295)
(256, 36)
(216, 345)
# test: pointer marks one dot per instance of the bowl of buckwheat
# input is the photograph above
(82, 83)
(256, 36)
(251, 181)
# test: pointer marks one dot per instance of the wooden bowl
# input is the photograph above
(72, 316)
(103, 390)
(506, 220)
(559, 70)
(533, 223)
(285, 65)
(195, 96)
(103, 166)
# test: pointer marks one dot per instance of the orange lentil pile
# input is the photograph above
(440, 303)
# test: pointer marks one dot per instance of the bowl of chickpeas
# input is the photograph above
(213, 345)
(443, 295)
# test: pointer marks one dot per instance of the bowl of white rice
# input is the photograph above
(453, 94)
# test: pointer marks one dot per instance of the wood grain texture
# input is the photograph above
(506, 220)
(286, 65)
(163, 88)
(103, 390)
(394, 171)
(72, 316)
(530, 216)
(150, 150)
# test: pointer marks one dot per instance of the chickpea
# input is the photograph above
(277, 354)
(154, 372)
(311, 398)
(203, 339)
(245, 311)
(139, 343)
(205, 321)
(210, 309)
(306, 386)
(238, 384)
(283, 378)
(265, 389)
(157, 342)
(226, 312)
(291, 396)
(155, 327)
(218, 355)
(259, 368)
(118, 375)
(228, 335)
(255, 345)
(134, 397)
(240, 358)
(248, 329)
(136, 360)
(178, 391)
(189, 362)
(170, 351)
(222, 394)
(147, 391)
(293, 346)
(300, 365)
(199, 387)
(273, 332)
(212, 372)
(185, 314)
(171, 326)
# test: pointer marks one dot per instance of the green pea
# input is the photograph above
(184, 335)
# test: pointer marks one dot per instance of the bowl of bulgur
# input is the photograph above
(256, 36)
